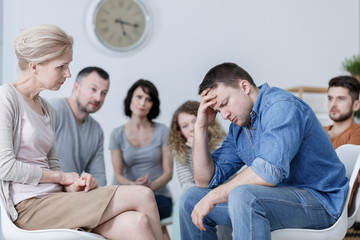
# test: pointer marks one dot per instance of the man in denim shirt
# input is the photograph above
(293, 178)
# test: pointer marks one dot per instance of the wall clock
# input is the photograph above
(119, 26)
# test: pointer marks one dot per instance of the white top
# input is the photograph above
(37, 138)
(185, 172)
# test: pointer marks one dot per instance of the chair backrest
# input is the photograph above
(349, 154)
(12, 232)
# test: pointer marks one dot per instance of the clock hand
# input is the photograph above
(122, 26)
(127, 23)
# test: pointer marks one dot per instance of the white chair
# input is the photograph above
(349, 155)
(166, 221)
(12, 232)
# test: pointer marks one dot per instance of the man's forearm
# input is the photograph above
(202, 161)
(246, 177)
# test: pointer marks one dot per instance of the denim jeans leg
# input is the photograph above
(218, 216)
(257, 210)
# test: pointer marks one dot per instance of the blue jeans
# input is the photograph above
(254, 211)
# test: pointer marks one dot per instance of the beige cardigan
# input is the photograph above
(12, 170)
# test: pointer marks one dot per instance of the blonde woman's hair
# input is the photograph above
(41, 43)
(177, 141)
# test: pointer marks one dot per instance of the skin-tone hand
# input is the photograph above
(220, 194)
(65, 179)
(206, 114)
(189, 141)
(69, 178)
(144, 181)
(201, 209)
(85, 183)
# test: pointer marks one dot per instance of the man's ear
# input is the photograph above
(76, 86)
(245, 86)
(356, 105)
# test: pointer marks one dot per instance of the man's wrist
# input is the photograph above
(200, 128)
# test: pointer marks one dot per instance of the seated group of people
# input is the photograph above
(51, 153)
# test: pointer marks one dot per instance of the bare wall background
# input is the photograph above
(285, 43)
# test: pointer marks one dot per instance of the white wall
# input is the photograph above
(1, 38)
(285, 43)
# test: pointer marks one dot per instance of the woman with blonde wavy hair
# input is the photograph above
(180, 141)
(181, 137)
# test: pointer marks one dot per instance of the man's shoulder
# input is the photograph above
(356, 127)
(269, 96)
(280, 98)
(275, 94)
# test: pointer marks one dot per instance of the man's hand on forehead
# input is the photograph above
(205, 92)
(207, 96)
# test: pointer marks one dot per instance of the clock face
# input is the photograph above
(121, 25)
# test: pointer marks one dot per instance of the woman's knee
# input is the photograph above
(142, 220)
(138, 224)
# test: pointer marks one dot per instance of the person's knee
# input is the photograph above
(142, 220)
(139, 225)
(144, 192)
(189, 199)
(241, 197)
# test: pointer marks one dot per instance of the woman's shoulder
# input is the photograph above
(118, 130)
(8, 95)
(7, 90)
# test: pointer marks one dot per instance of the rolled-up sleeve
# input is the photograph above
(281, 130)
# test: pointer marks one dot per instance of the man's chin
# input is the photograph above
(340, 118)
(92, 110)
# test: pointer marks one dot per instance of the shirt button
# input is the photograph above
(253, 113)
(253, 128)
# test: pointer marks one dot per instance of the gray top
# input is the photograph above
(139, 161)
(12, 170)
(80, 148)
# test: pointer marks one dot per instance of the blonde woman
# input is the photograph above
(37, 194)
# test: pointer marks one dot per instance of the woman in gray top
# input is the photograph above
(138, 148)
(36, 193)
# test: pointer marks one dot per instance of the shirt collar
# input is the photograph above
(256, 109)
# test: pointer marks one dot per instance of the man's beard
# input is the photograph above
(81, 107)
(342, 117)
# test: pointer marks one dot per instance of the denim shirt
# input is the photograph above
(285, 145)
